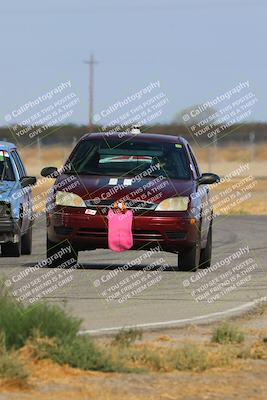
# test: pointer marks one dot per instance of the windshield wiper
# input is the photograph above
(90, 173)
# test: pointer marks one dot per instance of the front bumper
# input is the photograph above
(173, 231)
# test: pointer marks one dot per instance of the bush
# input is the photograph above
(126, 337)
(11, 368)
(79, 352)
(19, 322)
(192, 358)
(227, 333)
(50, 333)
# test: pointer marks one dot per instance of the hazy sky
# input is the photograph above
(197, 49)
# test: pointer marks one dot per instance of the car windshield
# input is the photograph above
(6, 169)
(130, 158)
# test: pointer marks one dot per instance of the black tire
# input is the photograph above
(69, 258)
(188, 259)
(205, 254)
(26, 242)
(10, 249)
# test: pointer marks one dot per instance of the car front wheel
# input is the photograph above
(11, 249)
(188, 259)
(26, 242)
(205, 254)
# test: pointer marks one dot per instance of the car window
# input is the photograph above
(194, 161)
(18, 163)
(130, 158)
(23, 170)
(6, 167)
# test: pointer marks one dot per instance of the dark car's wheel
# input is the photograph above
(26, 242)
(10, 249)
(188, 259)
(61, 253)
(205, 254)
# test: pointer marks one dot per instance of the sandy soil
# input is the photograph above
(246, 381)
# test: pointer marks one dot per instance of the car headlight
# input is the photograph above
(173, 204)
(69, 199)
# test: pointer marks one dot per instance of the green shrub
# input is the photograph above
(227, 333)
(11, 368)
(192, 358)
(154, 360)
(126, 337)
(19, 322)
(51, 333)
(79, 352)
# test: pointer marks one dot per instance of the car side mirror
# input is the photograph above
(208, 179)
(28, 181)
(50, 172)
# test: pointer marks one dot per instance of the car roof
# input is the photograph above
(144, 137)
(7, 146)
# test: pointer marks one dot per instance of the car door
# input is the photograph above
(26, 198)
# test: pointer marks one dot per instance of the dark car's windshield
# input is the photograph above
(130, 158)
(6, 168)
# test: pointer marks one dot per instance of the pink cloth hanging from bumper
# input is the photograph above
(120, 235)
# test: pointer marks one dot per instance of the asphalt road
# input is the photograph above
(107, 299)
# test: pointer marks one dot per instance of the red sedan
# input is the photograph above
(158, 179)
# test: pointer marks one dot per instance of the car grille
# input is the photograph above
(63, 230)
(140, 234)
(103, 234)
(176, 234)
(5, 209)
(6, 223)
(131, 204)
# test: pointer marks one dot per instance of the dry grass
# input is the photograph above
(254, 204)
(153, 357)
(50, 155)
(232, 152)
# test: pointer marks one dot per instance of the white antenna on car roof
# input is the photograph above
(135, 129)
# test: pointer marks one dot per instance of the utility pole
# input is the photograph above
(252, 145)
(92, 62)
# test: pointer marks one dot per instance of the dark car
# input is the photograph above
(16, 211)
(158, 178)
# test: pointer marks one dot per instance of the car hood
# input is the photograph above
(93, 186)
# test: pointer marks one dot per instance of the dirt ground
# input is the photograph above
(244, 380)
(247, 381)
